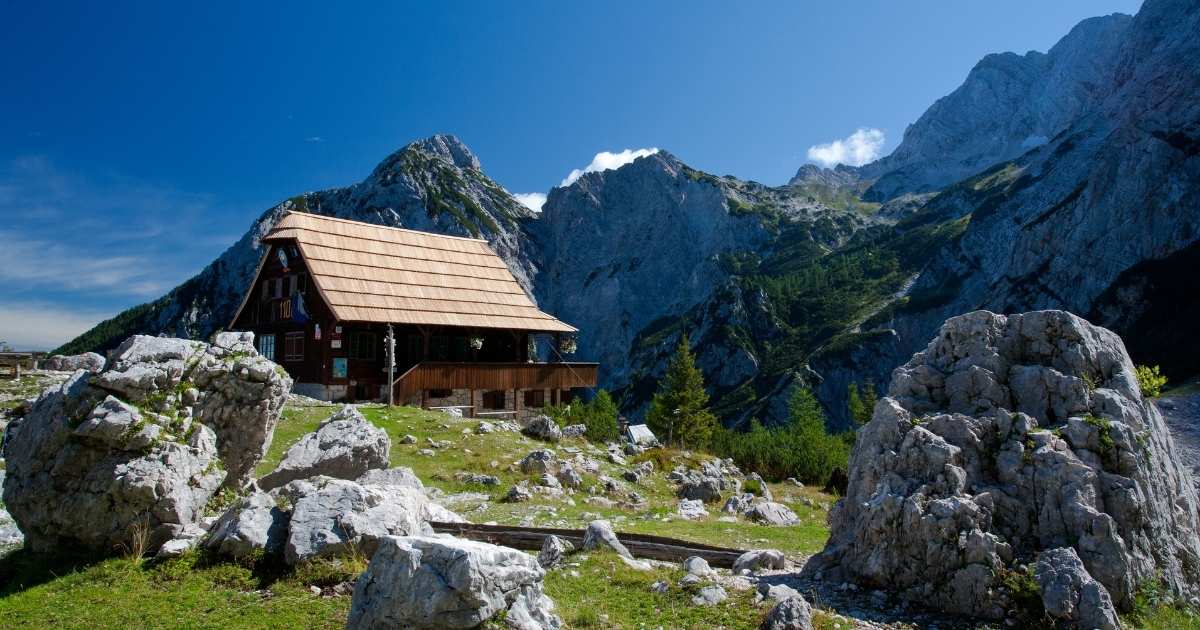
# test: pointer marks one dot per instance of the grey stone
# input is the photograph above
(1070, 594)
(73, 479)
(759, 559)
(692, 509)
(776, 592)
(697, 566)
(791, 613)
(253, 525)
(89, 361)
(539, 462)
(346, 445)
(554, 549)
(600, 533)
(335, 516)
(444, 582)
(543, 428)
(574, 430)
(738, 503)
(398, 476)
(519, 493)
(569, 477)
(1006, 437)
(706, 489)
(710, 595)
(408, 439)
(769, 513)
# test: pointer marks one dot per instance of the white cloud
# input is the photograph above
(32, 326)
(533, 201)
(606, 160)
(314, 139)
(861, 147)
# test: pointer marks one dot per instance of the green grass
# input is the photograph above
(44, 592)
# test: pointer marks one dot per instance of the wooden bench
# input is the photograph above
(489, 414)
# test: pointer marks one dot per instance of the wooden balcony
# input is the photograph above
(494, 376)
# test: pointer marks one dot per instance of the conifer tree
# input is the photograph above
(679, 412)
(861, 405)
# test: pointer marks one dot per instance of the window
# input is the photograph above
(362, 345)
(535, 398)
(276, 287)
(440, 393)
(493, 399)
(293, 346)
(266, 346)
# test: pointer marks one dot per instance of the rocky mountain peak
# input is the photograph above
(809, 174)
(444, 148)
(1008, 105)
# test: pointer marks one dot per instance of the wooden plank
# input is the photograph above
(640, 545)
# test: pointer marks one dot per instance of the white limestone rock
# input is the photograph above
(1070, 595)
(1007, 437)
(769, 513)
(791, 613)
(445, 582)
(330, 516)
(543, 428)
(345, 446)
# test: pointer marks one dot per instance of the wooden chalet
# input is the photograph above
(326, 290)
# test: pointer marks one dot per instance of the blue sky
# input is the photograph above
(139, 139)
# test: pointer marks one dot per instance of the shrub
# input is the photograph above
(599, 415)
(1150, 380)
(802, 449)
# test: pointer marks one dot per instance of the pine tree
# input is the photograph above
(861, 405)
(679, 412)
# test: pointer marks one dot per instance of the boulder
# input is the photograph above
(692, 509)
(89, 361)
(574, 430)
(90, 470)
(253, 525)
(738, 503)
(444, 582)
(759, 559)
(769, 513)
(706, 489)
(543, 428)
(764, 490)
(569, 477)
(600, 533)
(1009, 436)
(519, 493)
(1069, 594)
(710, 595)
(345, 446)
(791, 613)
(539, 461)
(334, 516)
(554, 549)
(695, 565)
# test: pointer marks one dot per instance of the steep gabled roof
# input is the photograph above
(372, 273)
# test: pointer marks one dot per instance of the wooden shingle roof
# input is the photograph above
(372, 273)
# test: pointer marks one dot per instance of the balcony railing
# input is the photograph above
(494, 376)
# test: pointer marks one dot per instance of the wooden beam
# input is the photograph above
(640, 545)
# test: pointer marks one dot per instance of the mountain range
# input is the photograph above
(1066, 179)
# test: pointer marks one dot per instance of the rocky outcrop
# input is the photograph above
(444, 582)
(1007, 437)
(1070, 595)
(1007, 105)
(106, 460)
(323, 516)
(346, 445)
(89, 361)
